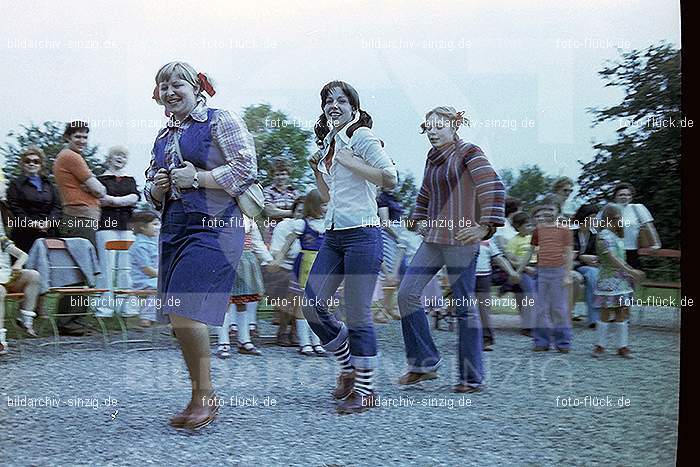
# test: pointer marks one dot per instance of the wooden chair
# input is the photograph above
(121, 266)
(663, 284)
(58, 249)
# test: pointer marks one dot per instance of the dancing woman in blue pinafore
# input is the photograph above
(199, 164)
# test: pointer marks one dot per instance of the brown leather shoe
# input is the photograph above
(201, 416)
(357, 403)
(178, 421)
(413, 378)
(344, 385)
(624, 352)
(464, 388)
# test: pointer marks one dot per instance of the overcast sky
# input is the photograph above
(524, 71)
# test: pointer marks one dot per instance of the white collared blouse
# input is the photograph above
(353, 199)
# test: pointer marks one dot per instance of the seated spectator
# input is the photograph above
(143, 256)
(561, 192)
(279, 278)
(80, 190)
(33, 201)
(117, 206)
(585, 259)
(518, 249)
(14, 279)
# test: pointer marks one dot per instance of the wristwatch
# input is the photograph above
(195, 182)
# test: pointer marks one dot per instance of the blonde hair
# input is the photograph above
(181, 70)
(115, 150)
(33, 151)
(454, 119)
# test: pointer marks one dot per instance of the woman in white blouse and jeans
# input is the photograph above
(348, 169)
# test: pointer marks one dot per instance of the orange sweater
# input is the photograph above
(70, 171)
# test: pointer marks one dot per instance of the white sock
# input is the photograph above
(251, 310)
(223, 329)
(27, 317)
(243, 331)
(315, 340)
(623, 331)
(303, 331)
(601, 328)
(3, 333)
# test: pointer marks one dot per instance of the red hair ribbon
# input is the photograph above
(206, 85)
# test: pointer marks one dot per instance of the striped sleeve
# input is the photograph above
(420, 212)
(490, 191)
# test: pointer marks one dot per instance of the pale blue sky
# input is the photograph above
(508, 64)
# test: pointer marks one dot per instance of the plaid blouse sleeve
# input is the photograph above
(230, 133)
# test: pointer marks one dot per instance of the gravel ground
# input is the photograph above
(516, 421)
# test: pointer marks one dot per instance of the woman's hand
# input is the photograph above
(184, 176)
(161, 180)
(472, 234)
(314, 159)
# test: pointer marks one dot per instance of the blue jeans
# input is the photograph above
(590, 276)
(356, 256)
(421, 353)
(552, 321)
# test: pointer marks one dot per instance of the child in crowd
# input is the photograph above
(408, 243)
(14, 279)
(309, 231)
(517, 249)
(614, 288)
(143, 256)
(554, 262)
(489, 253)
(247, 291)
(280, 280)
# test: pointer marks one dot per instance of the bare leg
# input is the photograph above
(193, 337)
(28, 284)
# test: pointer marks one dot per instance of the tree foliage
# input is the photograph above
(528, 185)
(647, 150)
(278, 137)
(49, 138)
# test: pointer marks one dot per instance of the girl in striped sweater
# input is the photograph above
(460, 203)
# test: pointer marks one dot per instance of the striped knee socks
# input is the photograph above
(342, 355)
(363, 381)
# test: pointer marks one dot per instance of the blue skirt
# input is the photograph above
(198, 263)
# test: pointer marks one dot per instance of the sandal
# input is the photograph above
(247, 348)
(224, 351)
(319, 351)
(306, 350)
